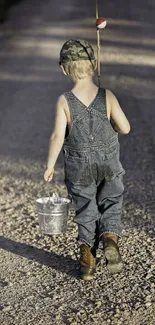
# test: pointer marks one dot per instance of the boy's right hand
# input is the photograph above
(48, 175)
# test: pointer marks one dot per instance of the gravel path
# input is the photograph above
(40, 282)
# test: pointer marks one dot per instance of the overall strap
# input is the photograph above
(101, 105)
(74, 107)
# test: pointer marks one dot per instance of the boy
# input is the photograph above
(93, 172)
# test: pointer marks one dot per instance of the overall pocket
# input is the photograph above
(76, 169)
(112, 164)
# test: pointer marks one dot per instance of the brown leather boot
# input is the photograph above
(87, 262)
(112, 254)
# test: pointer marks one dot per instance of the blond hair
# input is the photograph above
(80, 69)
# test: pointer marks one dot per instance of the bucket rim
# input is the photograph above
(43, 199)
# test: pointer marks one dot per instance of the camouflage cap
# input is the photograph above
(74, 50)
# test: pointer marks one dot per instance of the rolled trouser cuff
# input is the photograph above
(111, 232)
(84, 241)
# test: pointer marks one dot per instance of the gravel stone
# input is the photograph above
(153, 253)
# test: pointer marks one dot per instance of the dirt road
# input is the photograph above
(39, 275)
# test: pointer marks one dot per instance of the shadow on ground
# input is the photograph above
(57, 262)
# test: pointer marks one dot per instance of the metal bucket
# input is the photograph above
(53, 216)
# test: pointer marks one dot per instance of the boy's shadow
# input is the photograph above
(60, 263)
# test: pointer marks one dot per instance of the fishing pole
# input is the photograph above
(100, 24)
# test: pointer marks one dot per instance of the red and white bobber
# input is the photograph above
(101, 23)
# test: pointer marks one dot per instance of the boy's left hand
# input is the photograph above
(48, 175)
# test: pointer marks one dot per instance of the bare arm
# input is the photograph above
(121, 123)
(57, 139)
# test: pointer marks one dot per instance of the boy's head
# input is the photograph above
(77, 59)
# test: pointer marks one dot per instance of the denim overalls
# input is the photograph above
(93, 172)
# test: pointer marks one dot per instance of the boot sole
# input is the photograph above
(87, 277)
(114, 262)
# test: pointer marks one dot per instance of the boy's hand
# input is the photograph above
(48, 175)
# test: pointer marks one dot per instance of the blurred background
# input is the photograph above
(4, 8)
